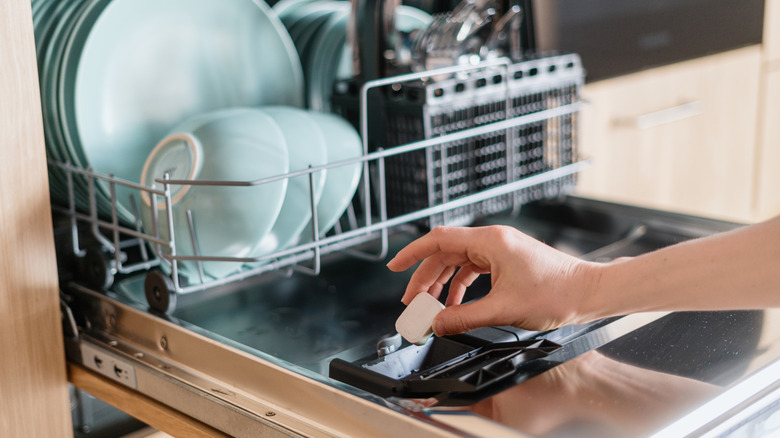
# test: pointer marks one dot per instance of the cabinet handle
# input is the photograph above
(662, 117)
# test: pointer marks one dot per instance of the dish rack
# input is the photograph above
(451, 153)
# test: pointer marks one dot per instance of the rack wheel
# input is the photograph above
(160, 295)
(96, 269)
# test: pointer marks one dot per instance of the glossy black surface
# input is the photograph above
(642, 381)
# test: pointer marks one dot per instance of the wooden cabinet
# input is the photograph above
(768, 181)
(33, 385)
(698, 137)
(679, 137)
(768, 160)
(772, 34)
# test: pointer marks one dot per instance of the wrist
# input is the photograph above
(626, 285)
(596, 302)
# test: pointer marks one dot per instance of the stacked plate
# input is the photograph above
(247, 144)
(319, 30)
(117, 75)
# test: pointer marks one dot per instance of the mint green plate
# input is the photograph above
(321, 59)
(330, 57)
(59, 27)
(146, 65)
(314, 16)
(287, 8)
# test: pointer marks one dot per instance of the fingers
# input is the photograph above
(462, 280)
(449, 240)
(430, 276)
(462, 318)
(442, 250)
(438, 286)
(412, 253)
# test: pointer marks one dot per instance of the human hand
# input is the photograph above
(533, 286)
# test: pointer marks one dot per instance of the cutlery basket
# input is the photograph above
(540, 90)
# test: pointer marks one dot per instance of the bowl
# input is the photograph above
(234, 145)
(343, 143)
(306, 147)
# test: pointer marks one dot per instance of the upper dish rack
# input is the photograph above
(451, 153)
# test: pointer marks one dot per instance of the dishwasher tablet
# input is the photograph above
(415, 322)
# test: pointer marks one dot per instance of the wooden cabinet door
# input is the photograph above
(33, 385)
(768, 187)
(772, 33)
(679, 137)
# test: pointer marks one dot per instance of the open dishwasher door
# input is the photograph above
(254, 358)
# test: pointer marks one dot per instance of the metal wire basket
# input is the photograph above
(429, 109)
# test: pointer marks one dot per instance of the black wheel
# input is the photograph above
(160, 295)
(96, 269)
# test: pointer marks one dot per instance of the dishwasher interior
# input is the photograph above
(313, 350)
(301, 341)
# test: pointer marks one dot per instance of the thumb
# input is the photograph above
(464, 317)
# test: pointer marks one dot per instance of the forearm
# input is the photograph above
(734, 270)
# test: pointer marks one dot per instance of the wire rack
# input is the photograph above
(545, 87)
(453, 153)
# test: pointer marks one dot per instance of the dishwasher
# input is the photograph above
(301, 342)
